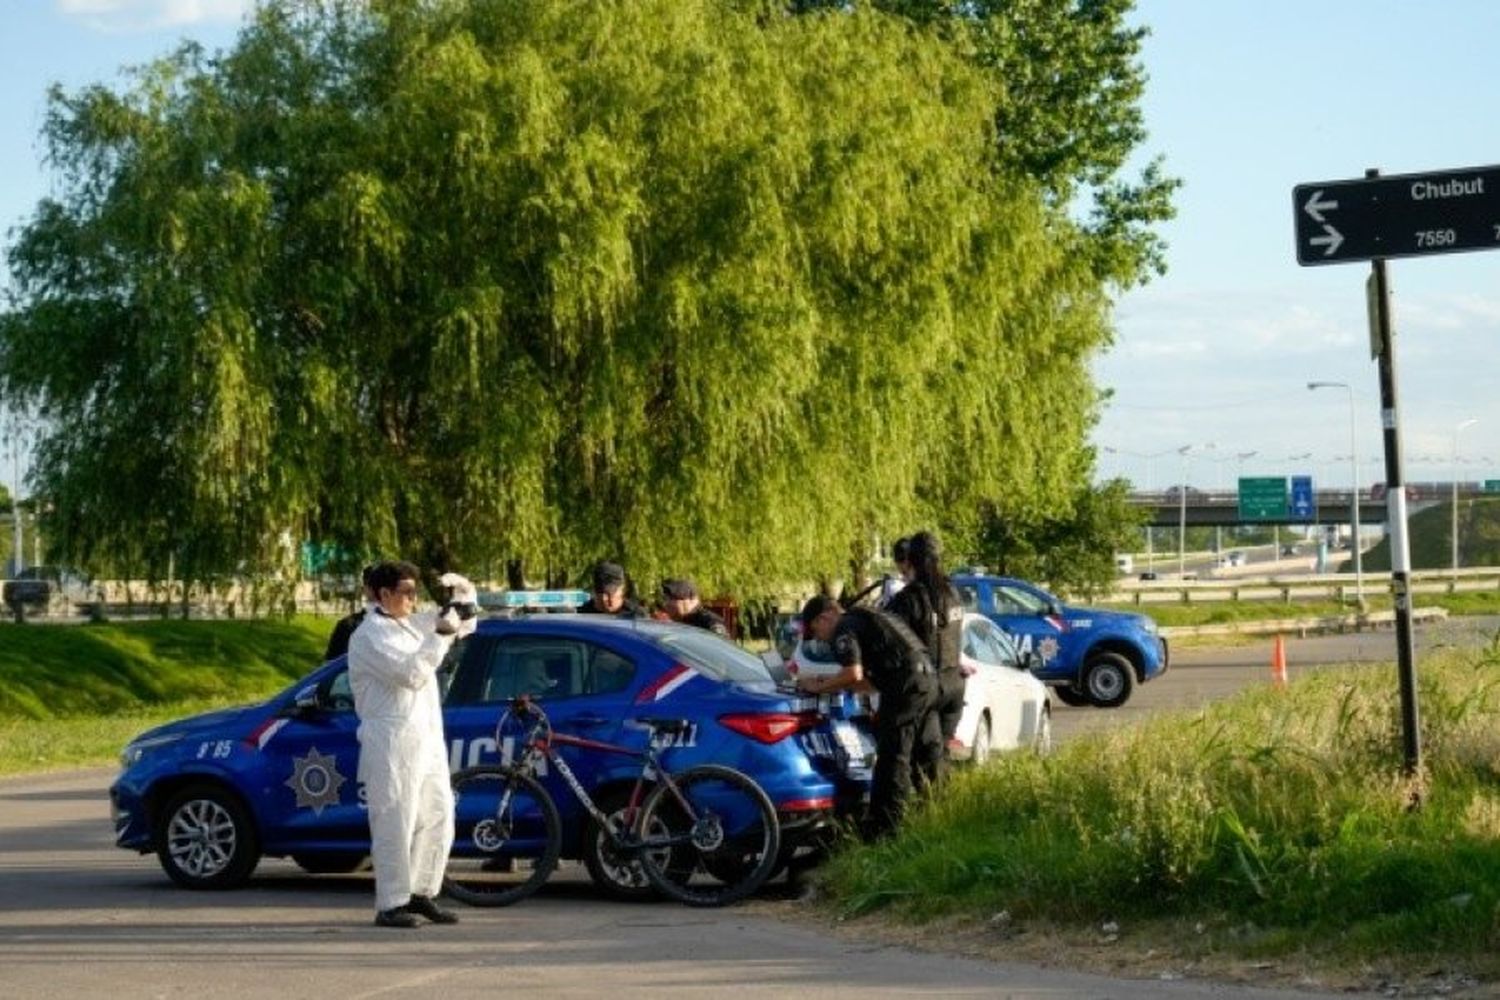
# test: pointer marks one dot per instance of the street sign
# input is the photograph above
(1262, 498)
(1302, 507)
(1401, 215)
(1492, 485)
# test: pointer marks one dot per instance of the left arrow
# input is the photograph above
(1332, 240)
(1316, 208)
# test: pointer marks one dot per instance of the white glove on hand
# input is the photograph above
(461, 588)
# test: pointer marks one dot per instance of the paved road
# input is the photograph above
(80, 918)
(1198, 676)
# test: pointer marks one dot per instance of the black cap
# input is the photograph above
(608, 575)
(815, 606)
(681, 589)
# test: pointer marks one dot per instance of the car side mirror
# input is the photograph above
(1031, 660)
(1053, 608)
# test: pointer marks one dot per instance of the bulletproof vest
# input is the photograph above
(892, 654)
(938, 623)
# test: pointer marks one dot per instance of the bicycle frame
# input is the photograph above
(541, 742)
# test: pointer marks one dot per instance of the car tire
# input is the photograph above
(1109, 679)
(329, 864)
(1069, 695)
(206, 840)
(983, 743)
(615, 878)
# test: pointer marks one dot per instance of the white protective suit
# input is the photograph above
(403, 758)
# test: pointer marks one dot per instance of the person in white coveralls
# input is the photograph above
(394, 656)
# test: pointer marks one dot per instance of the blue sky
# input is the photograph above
(1247, 98)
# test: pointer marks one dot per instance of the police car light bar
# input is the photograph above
(515, 599)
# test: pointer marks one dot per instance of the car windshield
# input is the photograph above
(716, 657)
(1014, 600)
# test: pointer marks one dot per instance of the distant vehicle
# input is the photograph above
(1150, 574)
(1089, 655)
(1289, 550)
(47, 588)
(1124, 565)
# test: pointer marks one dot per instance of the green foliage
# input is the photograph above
(1072, 546)
(1430, 536)
(1285, 809)
(61, 672)
(544, 280)
(1068, 84)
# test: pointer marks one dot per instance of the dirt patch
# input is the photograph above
(1154, 950)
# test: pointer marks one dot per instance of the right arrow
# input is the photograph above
(1316, 208)
(1332, 239)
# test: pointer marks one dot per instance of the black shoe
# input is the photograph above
(423, 906)
(399, 916)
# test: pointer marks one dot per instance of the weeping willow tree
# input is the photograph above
(542, 281)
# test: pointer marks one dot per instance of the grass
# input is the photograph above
(1283, 812)
(73, 695)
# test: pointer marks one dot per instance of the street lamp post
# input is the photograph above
(1148, 456)
(1456, 431)
(1182, 488)
(1359, 569)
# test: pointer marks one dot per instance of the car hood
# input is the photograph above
(223, 722)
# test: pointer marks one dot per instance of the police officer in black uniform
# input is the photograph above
(679, 599)
(338, 642)
(933, 609)
(608, 594)
(876, 651)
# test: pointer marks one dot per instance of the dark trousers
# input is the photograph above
(947, 708)
(907, 741)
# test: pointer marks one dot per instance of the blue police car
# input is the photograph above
(1090, 656)
(212, 794)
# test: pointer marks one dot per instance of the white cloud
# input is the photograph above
(140, 15)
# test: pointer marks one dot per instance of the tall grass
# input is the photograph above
(1287, 809)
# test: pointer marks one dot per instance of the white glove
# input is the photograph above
(462, 589)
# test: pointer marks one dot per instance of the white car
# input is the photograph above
(1005, 707)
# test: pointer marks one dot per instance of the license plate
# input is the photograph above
(856, 750)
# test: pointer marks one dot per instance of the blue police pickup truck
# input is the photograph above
(1089, 656)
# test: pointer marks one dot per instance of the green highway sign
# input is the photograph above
(1262, 498)
(1492, 485)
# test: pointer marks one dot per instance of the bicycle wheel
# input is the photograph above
(507, 836)
(711, 836)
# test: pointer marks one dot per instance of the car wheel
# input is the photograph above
(205, 839)
(329, 864)
(621, 878)
(1041, 743)
(1108, 678)
(1069, 695)
(983, 741)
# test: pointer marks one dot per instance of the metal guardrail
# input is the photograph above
(1329, 586)
(1304, 626)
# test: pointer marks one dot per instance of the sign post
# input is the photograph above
(1376, 218)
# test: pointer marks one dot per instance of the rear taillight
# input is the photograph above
(769, 727)
(806, 805)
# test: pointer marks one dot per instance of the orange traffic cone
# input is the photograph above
(1278, 662)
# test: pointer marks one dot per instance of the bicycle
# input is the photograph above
(705, 836)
